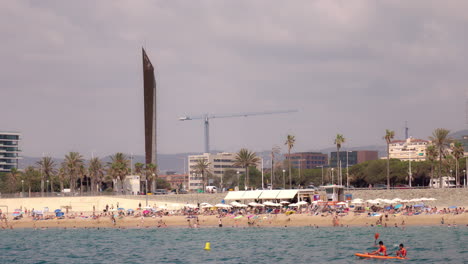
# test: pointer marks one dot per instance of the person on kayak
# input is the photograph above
(381, 251)
(401, 252)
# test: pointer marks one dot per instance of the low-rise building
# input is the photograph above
(307, 160)
(410, 149)
(218, 164)
(353, 157)
(177, 181)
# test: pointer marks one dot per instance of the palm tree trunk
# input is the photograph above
(338, 162)
(432, 172)
(247, 177)
(456, 172)
(81, 185)
(440, 168)
(388, 166)
(42, 187)
(289, 163)
(61, 185)
(51, 185)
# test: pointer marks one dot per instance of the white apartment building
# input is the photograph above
(218, 164)
(410, 149)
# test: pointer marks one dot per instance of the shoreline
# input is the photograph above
(211, 221)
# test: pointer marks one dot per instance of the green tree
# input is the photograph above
(31, 178)
(246, 158)
(201, 167)
(431, 153)
(73, 162)
(118, 168)
(96, 173)
(47, 170)
(139, 167)
(389, 135)
(339, 140)
(290, 140)
(13, 176)
(441, 141)
(457, 152)
(151, 175)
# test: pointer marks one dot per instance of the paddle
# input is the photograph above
(376, 236)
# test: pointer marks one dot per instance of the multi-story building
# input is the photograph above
(176, 181)
(354, 157)
(307, 160)
(218, 164)
(410, 149)
(9, 151)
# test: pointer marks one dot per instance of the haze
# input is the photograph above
(71, 73)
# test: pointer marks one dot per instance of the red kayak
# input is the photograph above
(362, 255)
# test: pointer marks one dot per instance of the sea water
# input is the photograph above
(439, 244)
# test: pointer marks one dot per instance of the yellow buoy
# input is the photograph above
(207, 246)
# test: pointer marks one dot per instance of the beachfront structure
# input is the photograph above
(177, 181)
(149, 98)
(307, 160)
(353, 157)
(9, 150)
(410, 149)
(132, 184)
(218, 164)
(335, 193)
(273, 195)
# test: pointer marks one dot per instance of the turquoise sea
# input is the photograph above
(230, 245)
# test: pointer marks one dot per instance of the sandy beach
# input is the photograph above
(81, 210)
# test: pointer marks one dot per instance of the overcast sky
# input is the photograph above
(71, 73)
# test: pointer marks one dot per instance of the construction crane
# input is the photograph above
(207, 117)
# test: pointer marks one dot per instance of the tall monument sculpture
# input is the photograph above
(149, 96)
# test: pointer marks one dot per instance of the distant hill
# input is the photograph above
(459, 134)
(178, 162)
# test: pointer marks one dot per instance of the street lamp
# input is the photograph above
(155, 181)
(22, 188)
(284, 180)
(464, 172)
(146, 188)
(332, 176)
(238, 180)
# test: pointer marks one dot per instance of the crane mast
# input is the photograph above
(206, 118)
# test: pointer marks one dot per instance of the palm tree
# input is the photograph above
(339, 140)
(62, 172)
(457, 152)
(96, 172)
(119, 167)
(441, 141)
(29, 176)
(73, 162)
(290, 143)
(139, 168)
(151, 174)
(246, 158)
(201, 166)
(13, 179)
(47, 170)
(389, 135)
(431, 153)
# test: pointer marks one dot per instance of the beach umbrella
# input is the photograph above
(418, 205)
(357, 201)
(207, 206)
(302, 203)
(191, 206)
(130, 210)
(238, 217)
(342, 203)
(293, 205)
(271, 204)
(373, 201)
(16, 213)
(453, 207)
(57, 210)
(121, 208)
(415, 200)
(398, 206)
(146, 212)
(284, 202)
(431, 199)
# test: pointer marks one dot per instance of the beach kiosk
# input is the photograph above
(335, 193)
